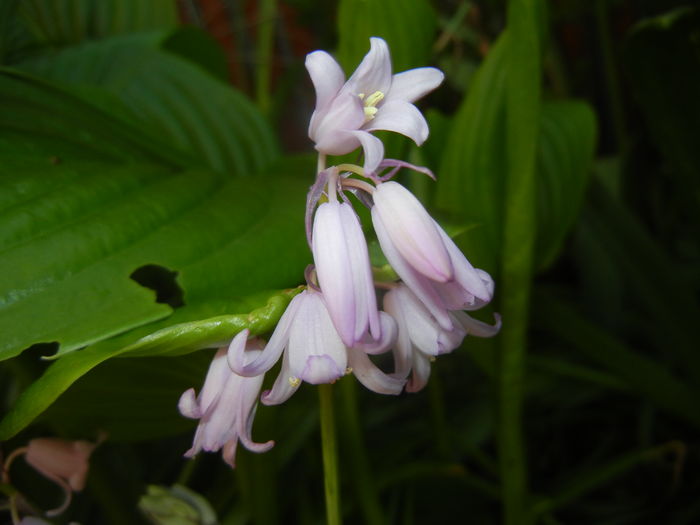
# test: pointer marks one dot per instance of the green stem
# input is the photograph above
(330, 455)
(266, 33)
(522, 126)
(361, 474)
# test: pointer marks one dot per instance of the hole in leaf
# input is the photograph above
(162, 281)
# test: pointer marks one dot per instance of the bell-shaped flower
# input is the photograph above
(372, 99)
(66, 463)
(311, 351)
(344, 272)
(226, 405)
(421, 338)
(425, 257)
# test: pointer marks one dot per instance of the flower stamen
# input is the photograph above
(370, 104)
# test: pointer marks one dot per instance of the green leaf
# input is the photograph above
(471, 176)
(565, 154)
(224, 239)
(70, 21)
(170, 97)
(471, 180)
(171, 341)
(408, 26)
(41, 120)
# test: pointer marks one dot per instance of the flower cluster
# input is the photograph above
(333, 326)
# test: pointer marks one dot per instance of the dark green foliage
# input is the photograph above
(148, 214)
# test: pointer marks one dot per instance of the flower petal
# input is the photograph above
(415, 83)
(321, 369)
(418, 283)
(413, 232)
(389, 333)
(373, 149)
(214, 382)
(370, 376)
(328, 128)
(472, 280)
(188, 406)
(374, 72)
(284, 386)
(401, 117)
(326, 75)
(421, 373)
(335, 274)
(314, 335)
(403, 348)
(366, 314)
(476, 327)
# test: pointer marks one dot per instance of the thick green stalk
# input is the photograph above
(359, 464)
(330, 455)
(522, 106)
(263, 68)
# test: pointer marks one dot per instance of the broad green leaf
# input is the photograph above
(172, 340)
(224, 239)
(134, 398)
(565, 153)
(171, 98)
(70, 21)
(55, 125)
(408, 26)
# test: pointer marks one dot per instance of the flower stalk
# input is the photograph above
(330, 454)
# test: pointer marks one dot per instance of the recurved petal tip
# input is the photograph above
(188, 406)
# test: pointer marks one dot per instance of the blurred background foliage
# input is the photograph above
(154, 164)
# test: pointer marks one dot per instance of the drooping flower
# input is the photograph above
(421, 338)
(372, 99)
(226, 405)
(424, 256)
(313, 351)
(344, 272)
(64, 462)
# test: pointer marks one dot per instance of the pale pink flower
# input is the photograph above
(64, 462)
(372, 99)
(226, 405)
(421, 338)
(344, 272)
(313, 351)
(424, 256)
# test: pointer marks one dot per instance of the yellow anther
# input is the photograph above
(432, 359)
(370, 104)
(294, 382)
(348, 370)
(369, 113)
(374, 99)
